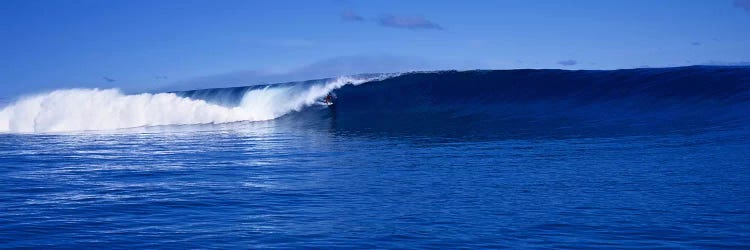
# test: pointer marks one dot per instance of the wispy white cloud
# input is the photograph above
(407, 22)
(331, 67)
(742, 4)
(351, 16)
(568, 62)
(289, 43)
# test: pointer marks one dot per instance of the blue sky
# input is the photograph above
(147, 45)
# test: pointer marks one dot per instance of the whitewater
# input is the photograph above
(71, 110)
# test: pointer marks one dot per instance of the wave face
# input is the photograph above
(550, 101)
(448, 103)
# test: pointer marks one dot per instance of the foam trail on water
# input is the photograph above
(95, 109)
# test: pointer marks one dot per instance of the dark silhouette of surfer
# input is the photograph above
(329, 99)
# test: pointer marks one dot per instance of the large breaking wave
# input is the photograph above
(448, 102)
(94, 109)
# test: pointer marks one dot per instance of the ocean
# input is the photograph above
(638, 158)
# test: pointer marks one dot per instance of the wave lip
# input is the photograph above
(109, 109)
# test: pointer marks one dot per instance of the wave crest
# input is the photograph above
(108, 109)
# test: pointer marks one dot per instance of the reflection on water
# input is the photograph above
(276, 184)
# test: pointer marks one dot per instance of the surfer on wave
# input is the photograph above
(329, 99)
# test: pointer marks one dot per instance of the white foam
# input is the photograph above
(94, 109)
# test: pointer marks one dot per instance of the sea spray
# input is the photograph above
(108, 109)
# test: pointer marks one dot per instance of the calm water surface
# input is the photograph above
(260, 185)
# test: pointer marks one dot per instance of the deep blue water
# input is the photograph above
(656, 159)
